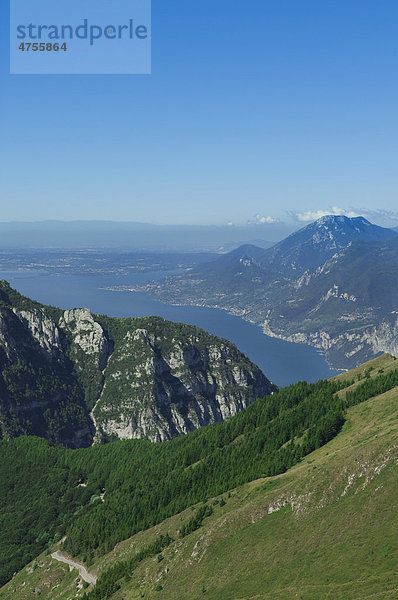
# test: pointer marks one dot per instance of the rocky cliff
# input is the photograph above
(74, 377)
(165, 379)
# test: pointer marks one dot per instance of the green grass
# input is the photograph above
(328, 540)
(43, 578)
(337, 547)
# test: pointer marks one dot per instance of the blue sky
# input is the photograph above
(255, 110)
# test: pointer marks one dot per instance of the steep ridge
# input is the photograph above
(164, 380)
(71, 376)
(324, 529)
(332, 285)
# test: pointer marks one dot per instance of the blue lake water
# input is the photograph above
(282, 362)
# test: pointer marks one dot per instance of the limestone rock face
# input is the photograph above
(384, 337)
(43, 329)
(158, 386)
(87, 333)
(355, 346)
(76, 378)
(39, 391)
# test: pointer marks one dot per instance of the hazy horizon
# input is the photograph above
(135, 236)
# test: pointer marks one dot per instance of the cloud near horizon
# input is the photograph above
(312, 215)
(261, 220)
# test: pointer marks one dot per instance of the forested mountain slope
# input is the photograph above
(99, 496)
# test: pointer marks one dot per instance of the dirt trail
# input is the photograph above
(84, 574)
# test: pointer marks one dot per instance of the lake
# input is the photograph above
(282, 362)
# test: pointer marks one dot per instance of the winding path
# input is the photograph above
(84, 574)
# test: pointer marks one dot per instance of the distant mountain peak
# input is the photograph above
(338, 221)
(341, 220)
(327, 219)
(302, 251)
(318, 241)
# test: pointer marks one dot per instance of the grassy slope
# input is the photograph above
(319, 543)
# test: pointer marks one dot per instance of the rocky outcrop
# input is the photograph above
(43, 331)
(74, 377)
(39, 391)
(86, 334)
(384, 337)
(159, 390)
(355, 346)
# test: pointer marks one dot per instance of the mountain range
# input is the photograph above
(332, 285)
